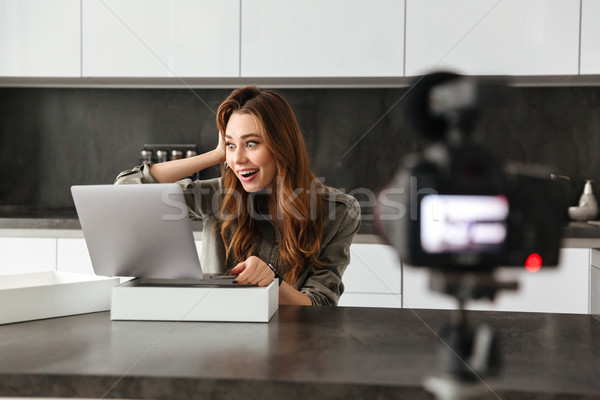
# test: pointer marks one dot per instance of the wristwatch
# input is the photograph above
(277, 274)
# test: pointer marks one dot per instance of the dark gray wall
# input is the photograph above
(51, 138)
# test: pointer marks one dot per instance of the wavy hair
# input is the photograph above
(295, 190)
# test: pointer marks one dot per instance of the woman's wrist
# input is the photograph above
(206, 160)
(217, 156)
(288, 295)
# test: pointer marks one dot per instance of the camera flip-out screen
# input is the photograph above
(463, 223)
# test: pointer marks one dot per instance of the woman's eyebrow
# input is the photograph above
(245, 136)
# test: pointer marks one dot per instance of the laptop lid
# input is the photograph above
(137, 230)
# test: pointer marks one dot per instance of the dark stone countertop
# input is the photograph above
(303, 352)
(577, 234)
(67, 219)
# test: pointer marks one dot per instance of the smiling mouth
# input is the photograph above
(248, 173)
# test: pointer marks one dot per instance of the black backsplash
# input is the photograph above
(53, 138)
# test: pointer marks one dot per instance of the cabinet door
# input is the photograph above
(328, 38)
(19, 255)
(40, 38)
(161, 38)
(370, 300)
(373, 277)
(595, 291)
(491, 37)
(416, 292)
(563, 289)
(73, 256)
(590, 37)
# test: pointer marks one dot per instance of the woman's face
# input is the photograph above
(246, 153)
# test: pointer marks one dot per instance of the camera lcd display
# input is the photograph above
(463, 223)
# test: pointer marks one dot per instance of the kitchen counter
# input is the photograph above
(66, 224)
(304, 352)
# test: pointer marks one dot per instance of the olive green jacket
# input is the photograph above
(341, 222)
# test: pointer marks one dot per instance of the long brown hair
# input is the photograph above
(295, 190)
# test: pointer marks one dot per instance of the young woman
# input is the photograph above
(267, 214)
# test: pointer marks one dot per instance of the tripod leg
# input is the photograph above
(468, 356)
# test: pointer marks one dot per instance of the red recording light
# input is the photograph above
(533, 263)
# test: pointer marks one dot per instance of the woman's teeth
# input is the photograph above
(248, 173)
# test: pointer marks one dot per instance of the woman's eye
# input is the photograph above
(229, 145)
(251, 144)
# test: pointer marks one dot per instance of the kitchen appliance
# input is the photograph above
(166, 152)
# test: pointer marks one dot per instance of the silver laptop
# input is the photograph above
(140, 231)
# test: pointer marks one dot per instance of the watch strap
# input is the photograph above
(277, 274)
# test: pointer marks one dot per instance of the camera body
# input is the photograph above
(470, 211)
(455, 205)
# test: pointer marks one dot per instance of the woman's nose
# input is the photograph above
(239, 157)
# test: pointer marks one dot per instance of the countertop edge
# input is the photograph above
(99, 386)
(361, 238)
(575, 235)
(96, 386)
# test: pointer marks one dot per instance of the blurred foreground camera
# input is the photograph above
(456, 205)
(458, 209)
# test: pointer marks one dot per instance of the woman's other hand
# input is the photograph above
(253, 271)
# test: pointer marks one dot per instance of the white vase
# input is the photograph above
(587, 209)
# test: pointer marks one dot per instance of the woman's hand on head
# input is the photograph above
(253, 271)
(221, 147)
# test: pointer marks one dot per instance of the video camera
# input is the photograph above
(455, 205)
(458, 209)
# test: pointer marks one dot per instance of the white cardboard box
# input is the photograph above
(49, 294)
(134, 301)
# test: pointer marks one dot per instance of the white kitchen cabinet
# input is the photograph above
(563, 289)
(73, 256)
(19, 255)
(491, 37)
(322, 38)
(373, 277)
(595, 283)
(40, 38)
(160, 38)
(590, 37)
(378, 300)
(595, 291)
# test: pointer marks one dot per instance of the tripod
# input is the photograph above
(469, 354)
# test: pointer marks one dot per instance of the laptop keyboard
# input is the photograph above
(210, 280)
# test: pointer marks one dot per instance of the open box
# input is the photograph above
(39, 295)
(133, 300)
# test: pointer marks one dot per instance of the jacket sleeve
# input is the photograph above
(324, 285)
(139, 174)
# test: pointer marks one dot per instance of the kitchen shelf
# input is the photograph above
(307, 83)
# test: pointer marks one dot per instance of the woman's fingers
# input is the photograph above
(264, 282)
(253, 271)
(238, 268)
(221, 145)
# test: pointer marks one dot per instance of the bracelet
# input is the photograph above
(277, 274)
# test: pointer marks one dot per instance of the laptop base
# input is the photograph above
(209, 280)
